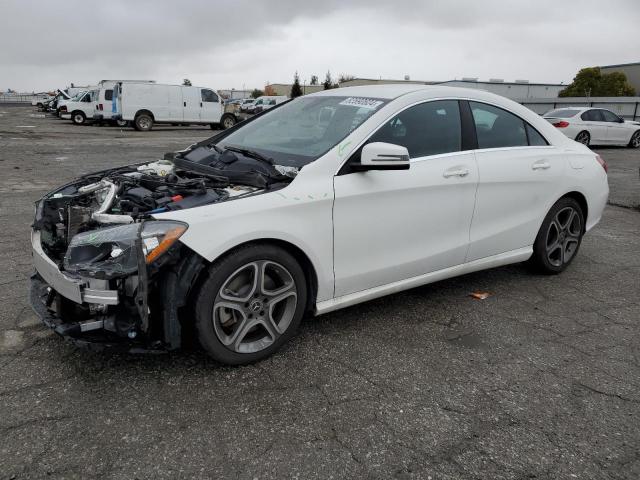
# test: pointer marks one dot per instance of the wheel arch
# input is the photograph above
(143, 111)
(310, 273)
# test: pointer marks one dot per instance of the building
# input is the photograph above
(631, 70)
(520, 89)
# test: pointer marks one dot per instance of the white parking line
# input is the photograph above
(25, 126)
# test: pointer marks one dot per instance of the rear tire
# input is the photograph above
(559, 238)
(635, 140)
(250, 304)
(583, 137)
(79, 118)
(143, 122)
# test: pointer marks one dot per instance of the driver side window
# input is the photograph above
(429, 128)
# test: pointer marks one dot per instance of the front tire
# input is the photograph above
(583, 137)
(635, 140)
(559, 238)
(227, 121)
(79, 118)
(143, 122)
(250, 304)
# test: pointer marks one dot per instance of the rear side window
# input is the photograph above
(562, 113)
(496, 128)
(429, 128)
(108, 94)
(209, 96)
(592, 116)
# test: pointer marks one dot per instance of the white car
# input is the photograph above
(246, 103)
(327, 201)
(595, 126)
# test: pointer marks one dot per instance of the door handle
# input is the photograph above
(185, 103)
(200, 104)
(458, 172)
(541, 165)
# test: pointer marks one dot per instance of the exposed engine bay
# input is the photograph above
(103, 261)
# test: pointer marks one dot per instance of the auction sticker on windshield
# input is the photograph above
(361, 102)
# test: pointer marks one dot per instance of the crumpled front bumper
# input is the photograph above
(48, 282)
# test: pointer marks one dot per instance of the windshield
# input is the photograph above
(78, 96)
(303, 129)
(562, 113)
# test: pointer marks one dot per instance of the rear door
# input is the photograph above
(596, 126)
(519, 173)
(210, 107)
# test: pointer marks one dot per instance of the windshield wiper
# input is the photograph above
(251, 154)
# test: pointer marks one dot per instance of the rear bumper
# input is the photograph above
(98, 116)
(65, 115)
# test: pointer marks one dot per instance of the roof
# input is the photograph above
(391, 91)
(431, 82)
(621, 65)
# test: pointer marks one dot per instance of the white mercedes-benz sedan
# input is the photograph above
(322, 202)
(595, 126)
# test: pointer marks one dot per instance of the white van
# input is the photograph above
(104, 107)
(266, 102)
(144, 104)
(80, 107)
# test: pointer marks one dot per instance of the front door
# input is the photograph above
(210, 108)
(617, 131)
(394, 225)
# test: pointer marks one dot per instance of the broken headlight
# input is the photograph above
(113, 252)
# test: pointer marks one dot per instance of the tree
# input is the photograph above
(257, 93)
(314, 80)
(186, 82)
(328, 82)
(345, 77)
(296, 91)
(591, 82)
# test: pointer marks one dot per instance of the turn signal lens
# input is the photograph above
(157, 238)
(602, 163)
(561, 124)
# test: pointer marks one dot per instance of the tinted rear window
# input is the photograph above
(562, 113)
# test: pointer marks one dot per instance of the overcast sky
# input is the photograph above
(224, 44)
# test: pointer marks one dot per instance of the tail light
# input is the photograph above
(602, 163)
(561, 124)
(100, 107)
(63, 108)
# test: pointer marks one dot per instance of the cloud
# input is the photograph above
(228, 43)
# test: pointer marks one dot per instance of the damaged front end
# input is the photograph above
(107, 272)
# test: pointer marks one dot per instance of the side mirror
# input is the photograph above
(383, 156)
(620, 120)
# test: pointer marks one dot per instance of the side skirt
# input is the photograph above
(514, 256)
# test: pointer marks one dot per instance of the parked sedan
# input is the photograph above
(595, 126)
(329, 200)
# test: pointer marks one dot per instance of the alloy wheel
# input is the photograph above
(563, 236)
(583, 138)
(635, 140)
(254, 306)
